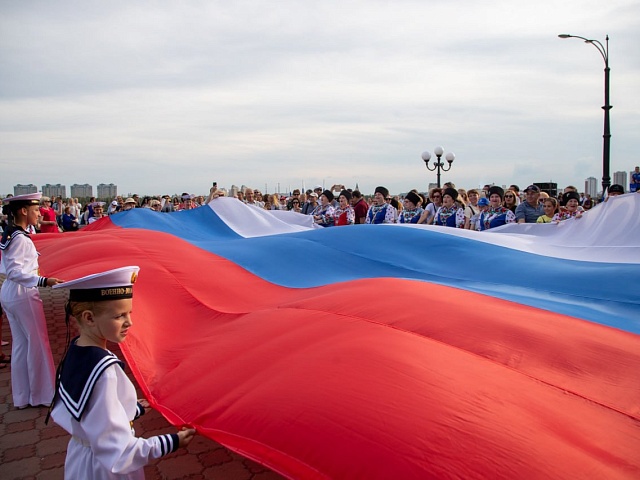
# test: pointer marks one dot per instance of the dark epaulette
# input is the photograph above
(9, 234)
(82, 369)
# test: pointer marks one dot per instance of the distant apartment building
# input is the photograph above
(84, 190)
(233, 191)
(24, 189)
(551, 188)
(107, 190)
(56, 190)
(621, 179)
(591, 187)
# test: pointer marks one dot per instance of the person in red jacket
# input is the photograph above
(48, 223)
(344, 214)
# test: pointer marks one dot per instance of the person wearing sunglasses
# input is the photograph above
(429, 214)
(295, 197)
(295, 206)
(48, 223)
(510, 202)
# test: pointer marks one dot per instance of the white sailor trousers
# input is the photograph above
(32, 368)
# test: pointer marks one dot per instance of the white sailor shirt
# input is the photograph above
(96, 403)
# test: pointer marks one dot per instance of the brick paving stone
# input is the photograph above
(215, 457)
(54, 431)
(201, 444)
(51, 474)
(254, 467)
(21, 426)
(54, 460)
(28, 437)
(24, 415)
(151, 473)
(21, 469)
(267, 475)
(50, 446)
(18, 453)
(228, 471)
(178, 467)
(154, 422)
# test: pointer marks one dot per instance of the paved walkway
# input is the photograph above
(29, 449)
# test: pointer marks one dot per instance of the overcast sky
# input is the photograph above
(166, 96)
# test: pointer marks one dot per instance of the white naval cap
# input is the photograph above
(28, 198)
(110, 285)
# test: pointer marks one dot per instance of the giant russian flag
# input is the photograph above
(385, 351)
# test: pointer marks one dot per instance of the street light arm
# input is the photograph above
(596, 43)
(435, 166)
(601, 49)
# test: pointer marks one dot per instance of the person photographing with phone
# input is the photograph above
(213, 193)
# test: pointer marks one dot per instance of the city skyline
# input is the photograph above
(257, 93)
(104, 190)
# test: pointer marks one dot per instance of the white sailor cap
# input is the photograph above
(27, 198)
(98, 204)
(113, 284)
(188, 196)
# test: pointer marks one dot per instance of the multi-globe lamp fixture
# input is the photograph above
(438, 164)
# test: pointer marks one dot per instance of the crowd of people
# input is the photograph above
(474, 209)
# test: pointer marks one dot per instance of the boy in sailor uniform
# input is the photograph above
(32, 370)
(95, 400)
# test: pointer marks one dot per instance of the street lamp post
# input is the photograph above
(606, 142)
(438, 164)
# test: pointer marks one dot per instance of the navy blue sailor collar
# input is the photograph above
(9, 234)
(81, 370)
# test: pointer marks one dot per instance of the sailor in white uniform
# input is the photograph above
(32, 368)
(95, 400)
